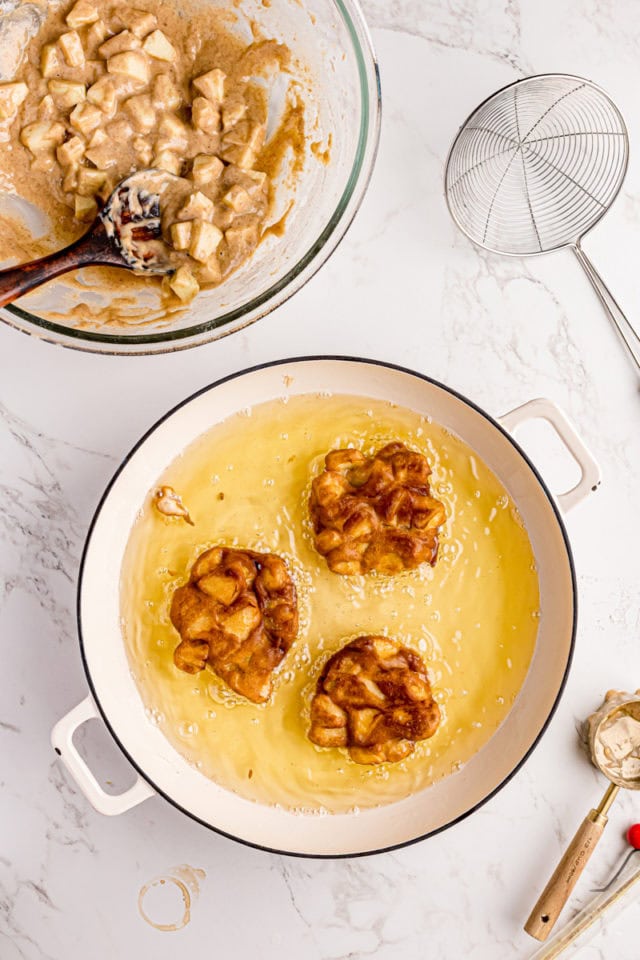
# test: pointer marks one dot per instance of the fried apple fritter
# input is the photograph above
(373, 697)
(375, 513)
(238, 614)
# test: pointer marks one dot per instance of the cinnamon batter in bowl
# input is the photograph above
(104, 90)
(316, 182)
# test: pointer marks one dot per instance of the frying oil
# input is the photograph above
(473, 617)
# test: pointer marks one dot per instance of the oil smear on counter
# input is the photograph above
(473, 617)
(165, 902)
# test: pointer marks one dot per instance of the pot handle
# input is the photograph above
(542, 409)
(62, 740)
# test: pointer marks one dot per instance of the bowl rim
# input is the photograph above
(306, 266)
(570, 562)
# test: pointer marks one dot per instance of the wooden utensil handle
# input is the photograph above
(92, 248)
(558, 890)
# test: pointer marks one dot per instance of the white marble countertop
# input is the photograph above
(404, 286)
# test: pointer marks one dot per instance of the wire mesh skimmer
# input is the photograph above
(535, 167)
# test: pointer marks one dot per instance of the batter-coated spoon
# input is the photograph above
(126, 233)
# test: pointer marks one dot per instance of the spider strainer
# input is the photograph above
(535, 167)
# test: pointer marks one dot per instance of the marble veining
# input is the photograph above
(405, 285)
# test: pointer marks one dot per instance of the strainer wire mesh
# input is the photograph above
(537, 165)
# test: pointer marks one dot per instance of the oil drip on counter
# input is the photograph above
(180, 884)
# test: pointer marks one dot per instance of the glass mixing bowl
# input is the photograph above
(342, 93)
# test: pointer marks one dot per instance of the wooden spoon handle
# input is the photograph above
(558, 890)
(92, 248)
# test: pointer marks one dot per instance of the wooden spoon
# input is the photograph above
(126, 233)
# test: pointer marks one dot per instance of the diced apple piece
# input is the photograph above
(259, 179)
(107, 187)
(42, 135)
(211, 85)
(97, 138)
(86, 117)
(240, 622)
(184, 284)
(241, 239)
(173, 130)
(71, 47)
(219, 587)
(82, 13)
(103, 94)
(44, 160)
(66, 93)
(238, 199)
(224, 217)
(197, 207)
(142, 151)
(120, 43)
(104, 155)
(238, 154)
(158, 45)
(211, 271)
(11, 96)
(70, 181)
(205, 115)
(165, 93)
(181, 235)
(205, 238)
(90, 181)
(49, 60)
(232, 112)
(70, 154)
(244, 152)
(166, 160)
(94, 70)
(132, 63)
(138, 21)
(206, 169)
(85, 208)
(120, 130)
(97, 34)
(141, 112)
(46, 108)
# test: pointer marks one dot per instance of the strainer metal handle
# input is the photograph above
(628, 335)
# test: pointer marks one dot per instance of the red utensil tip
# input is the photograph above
(633, 836)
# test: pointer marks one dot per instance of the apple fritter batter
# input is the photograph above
(105, 89)
(373, 697)
(237, 614)
(375, 513)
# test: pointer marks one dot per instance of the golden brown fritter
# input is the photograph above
(373, 697)
(375, 513)
(238, 614)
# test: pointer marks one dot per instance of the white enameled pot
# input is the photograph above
(115, 697)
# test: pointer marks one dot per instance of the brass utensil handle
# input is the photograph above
(567, 873)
